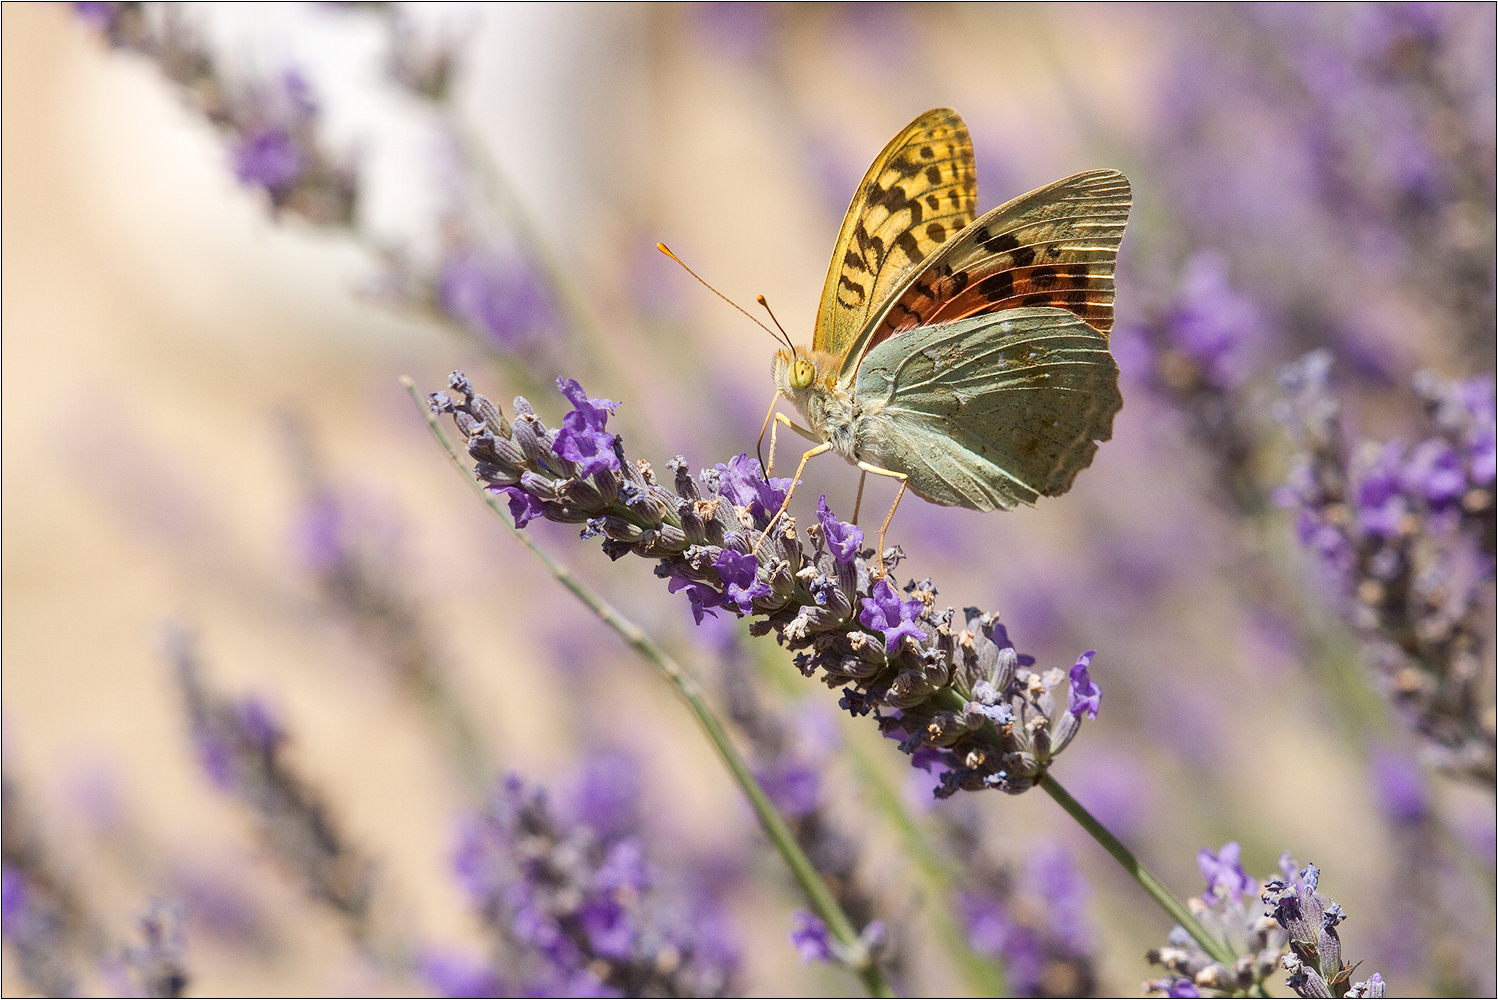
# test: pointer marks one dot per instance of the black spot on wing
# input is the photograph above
(996, 287)
(1005, 243)
(907, 242)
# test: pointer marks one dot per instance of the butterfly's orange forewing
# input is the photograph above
(1056, 246)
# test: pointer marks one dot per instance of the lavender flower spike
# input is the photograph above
(241, 748)
(1406, 536)
(956, 687)
(1227, 911)
(576, 913)
(1315, 963)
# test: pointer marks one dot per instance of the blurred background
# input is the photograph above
(229, 231)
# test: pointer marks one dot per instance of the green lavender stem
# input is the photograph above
(984, 975)
(817, 893)
(1146, 879)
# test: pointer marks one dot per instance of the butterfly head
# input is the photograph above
(798, 374)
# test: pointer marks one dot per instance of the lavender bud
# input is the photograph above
(579, 493)
(529, 434)
(607, 486)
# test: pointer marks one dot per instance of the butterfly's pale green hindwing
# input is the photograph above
(989, 411)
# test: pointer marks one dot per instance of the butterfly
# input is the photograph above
(967, 359)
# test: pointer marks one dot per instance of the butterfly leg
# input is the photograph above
(764, 427)
(858, 500)
(904, 482)
(781, 418)
(819, 449)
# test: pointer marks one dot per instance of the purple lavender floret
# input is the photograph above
(931, 679)
(883, 611)
(1085, 695)
(1224, 874)
(739, 572)
(582, 438)
(744, 485)
(702, 597)
(843, 540)
(810, 937)
(524, 507)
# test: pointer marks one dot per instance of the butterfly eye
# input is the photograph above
(802, 373)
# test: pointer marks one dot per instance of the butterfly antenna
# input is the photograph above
(667, 251)
(783, 335)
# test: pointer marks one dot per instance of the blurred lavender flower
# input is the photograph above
(1407, 536)
(1315, 963)
(1400, 787)
(270, 124)
(810, 937)
(239, 744)
(576, 914)
(422, 63)
(354, 555)
(1350, 141)
(1204, 341)
(494, 295)
(962, 690)
(814, 942)
(1035, 919)
(157, 966)
(454, 974)
(44, 920)
(1228, 910)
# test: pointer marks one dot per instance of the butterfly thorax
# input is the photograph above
(828, 409)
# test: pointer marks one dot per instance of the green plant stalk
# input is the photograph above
(1146, 879)
(985, 975)
(817, 893)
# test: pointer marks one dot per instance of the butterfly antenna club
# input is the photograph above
(783, 335)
